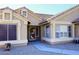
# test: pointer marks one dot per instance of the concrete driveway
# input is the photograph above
(39, 48)
(30, 49)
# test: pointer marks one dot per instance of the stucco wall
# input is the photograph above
(23, 31)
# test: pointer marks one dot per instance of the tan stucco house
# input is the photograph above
(23, 25)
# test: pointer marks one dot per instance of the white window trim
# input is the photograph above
(61, 31)
(22, 12)
(38, 31)
(3, 16)
(45, 30)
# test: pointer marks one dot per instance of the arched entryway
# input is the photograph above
(33, 33)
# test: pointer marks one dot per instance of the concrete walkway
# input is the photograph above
(44, 47)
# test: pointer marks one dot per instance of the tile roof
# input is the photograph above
(51, 18)
(44, 17)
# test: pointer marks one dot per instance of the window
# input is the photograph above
(24, 13)
(46, 31)
(43, 32)
(0, 16)
(37, 31)
(63, 31)
(70, 31)
(7, 16)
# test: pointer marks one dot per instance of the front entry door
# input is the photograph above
(33, 33)
(7, 32)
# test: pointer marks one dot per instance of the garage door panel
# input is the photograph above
(12, 32)
(3, 32)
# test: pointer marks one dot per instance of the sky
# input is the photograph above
(52, 9)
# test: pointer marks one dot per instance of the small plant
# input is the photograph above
(7, 46)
